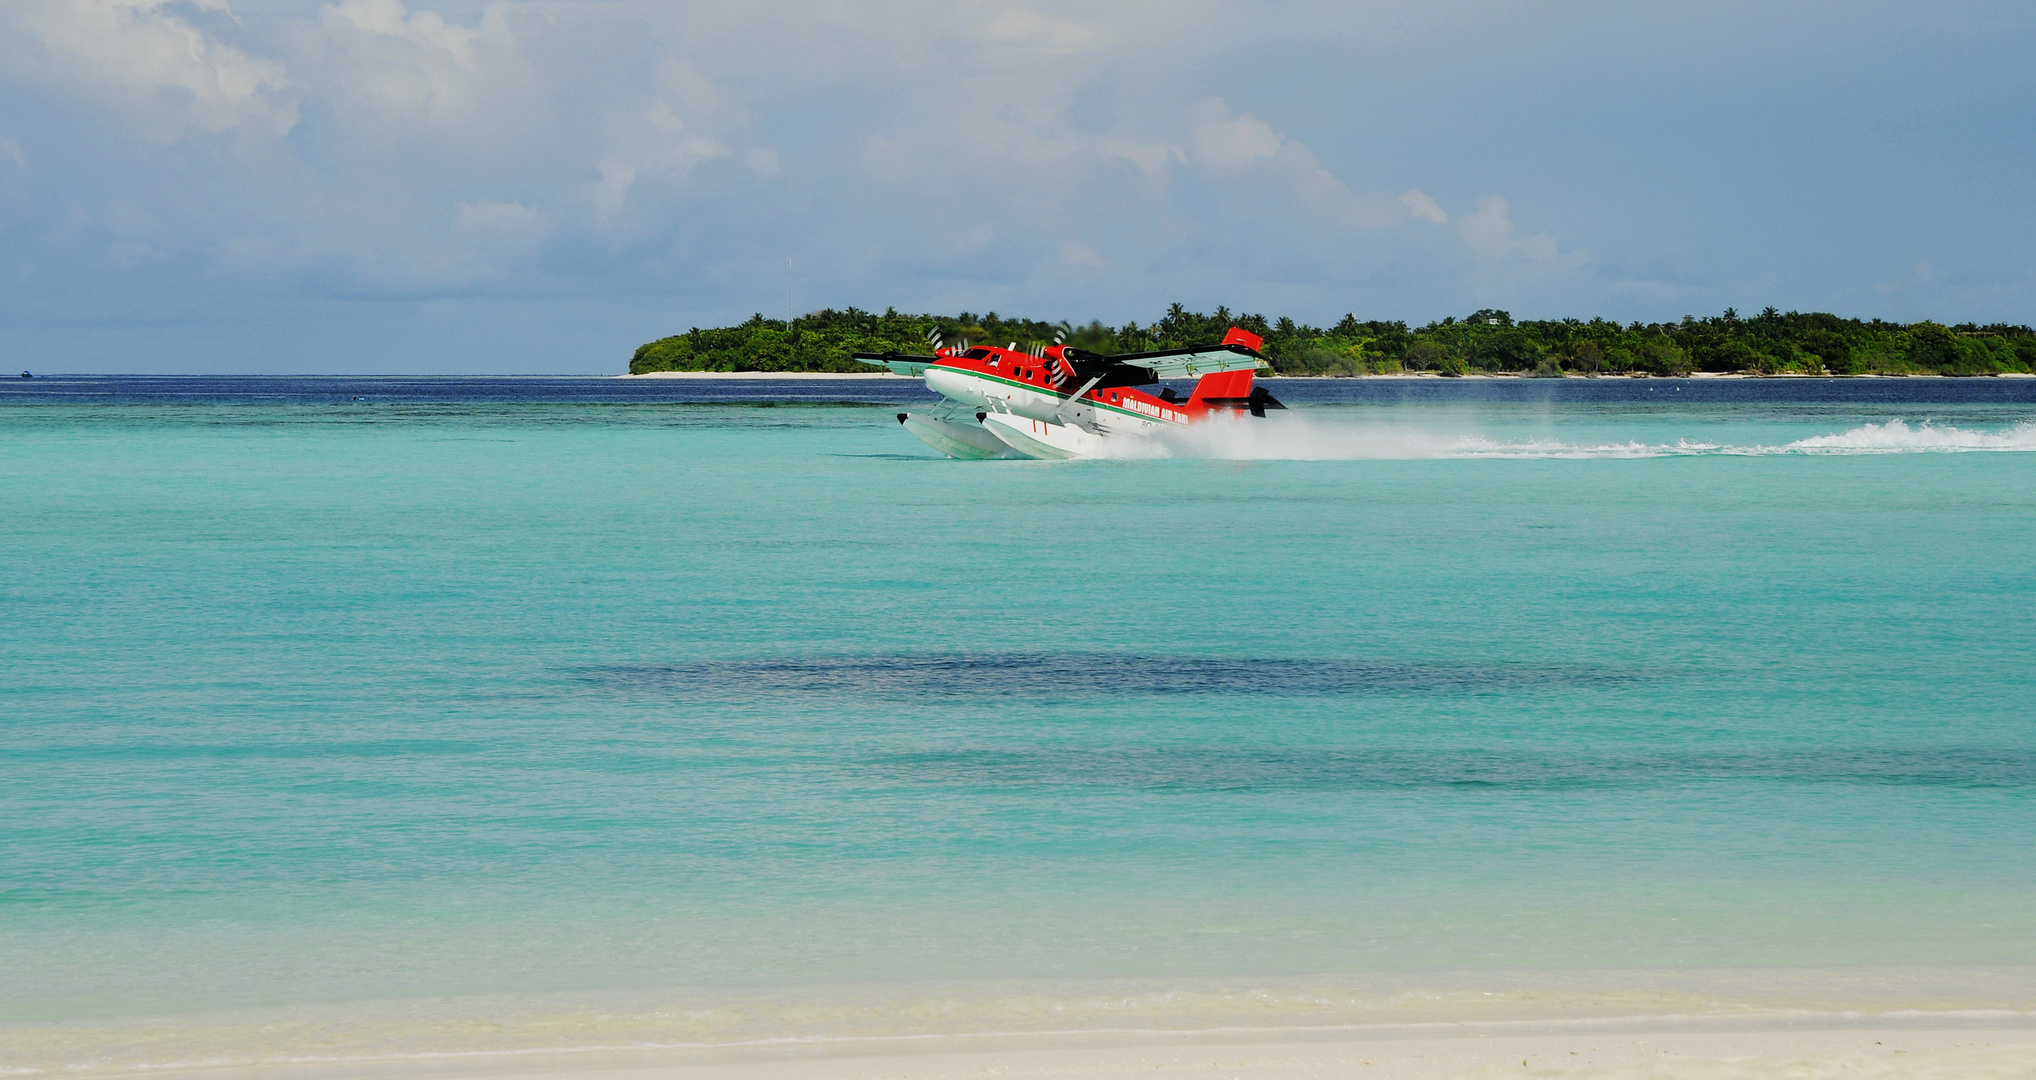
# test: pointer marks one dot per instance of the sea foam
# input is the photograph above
(1303, 439)
(1896, 436)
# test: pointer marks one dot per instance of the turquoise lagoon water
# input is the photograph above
(350, 697)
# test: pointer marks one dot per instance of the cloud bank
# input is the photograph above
(385, 185)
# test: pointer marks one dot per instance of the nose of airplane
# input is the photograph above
(953, 384)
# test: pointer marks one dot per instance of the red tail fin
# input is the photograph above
(1223, 384)
(1229, 387)
(1241, 336)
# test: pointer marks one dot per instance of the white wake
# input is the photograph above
(1896, 437)
(1292, 438)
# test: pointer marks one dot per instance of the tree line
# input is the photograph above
(1487, 341)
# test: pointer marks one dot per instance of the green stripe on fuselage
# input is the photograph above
(1049, 390)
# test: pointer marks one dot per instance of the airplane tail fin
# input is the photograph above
(1223, 386)
(1229, 386)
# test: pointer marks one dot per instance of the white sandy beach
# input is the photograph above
(1923, 1022)
(1966, 1053)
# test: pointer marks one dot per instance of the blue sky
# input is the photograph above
(389, 186)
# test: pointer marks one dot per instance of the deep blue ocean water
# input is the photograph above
(337, 692)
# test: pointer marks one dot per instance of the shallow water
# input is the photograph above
(373, 691)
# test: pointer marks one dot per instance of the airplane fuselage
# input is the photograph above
(1026, 385)
(1064, 402)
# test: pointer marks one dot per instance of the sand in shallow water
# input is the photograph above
(1964, 1053)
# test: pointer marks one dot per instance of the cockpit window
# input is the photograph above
(976, 354)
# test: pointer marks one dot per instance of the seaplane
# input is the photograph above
(1058, 401)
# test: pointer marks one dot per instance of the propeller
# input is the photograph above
(933, 338)
(1063, 371)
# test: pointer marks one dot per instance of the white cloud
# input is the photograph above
(1226, 141)
(682, 82)
(682, 154)
(417, 63)
(664, 119)
(1488, 233)
(973, 156)
(390, 18)
(1032, 31)
(1241, 149)
(688, 125)
(998, 132)
(1422, 207)
(1153, 159)
(157, 59)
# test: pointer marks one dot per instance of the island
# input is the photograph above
(1484, 342)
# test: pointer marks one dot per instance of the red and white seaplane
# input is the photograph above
(1064, 402)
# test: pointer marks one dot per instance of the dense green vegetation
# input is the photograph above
(1770, 343)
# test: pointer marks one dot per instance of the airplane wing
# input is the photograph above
(902, 363)
(1190, 363)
